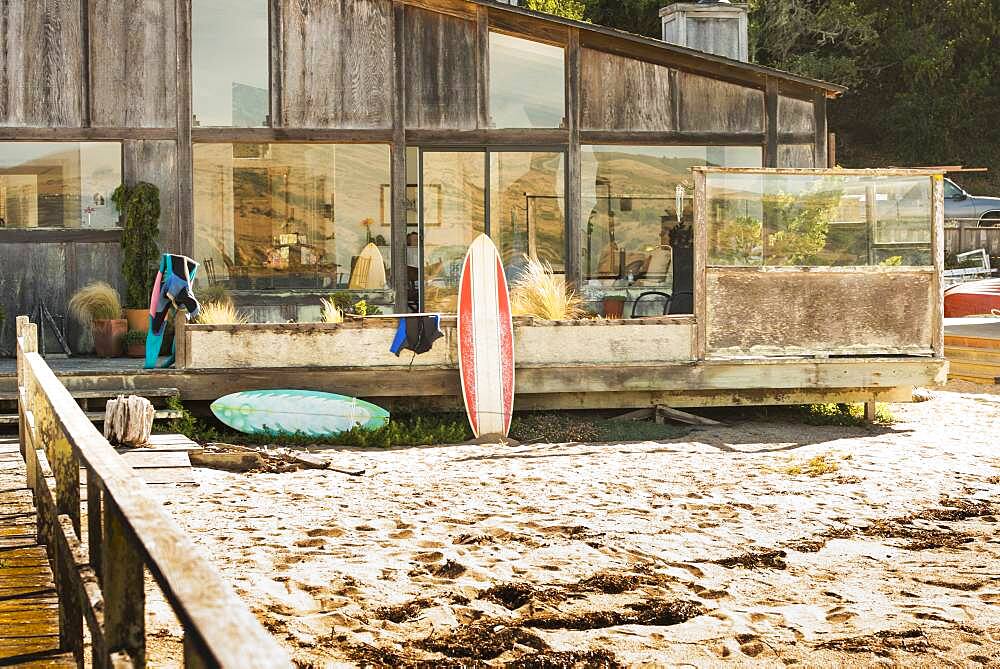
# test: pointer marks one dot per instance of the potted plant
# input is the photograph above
(139, 206)
(98, 309)
(614, 306)
(134, 342)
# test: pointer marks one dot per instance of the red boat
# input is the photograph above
(974, 298)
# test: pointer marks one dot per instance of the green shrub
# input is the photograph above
(140, 210)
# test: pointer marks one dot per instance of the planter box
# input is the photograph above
(365, 343)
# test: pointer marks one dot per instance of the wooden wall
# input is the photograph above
(41, 63)
(797, 117)
(712, 105)
(133, 63)
(618, 93)
(795, 311)
(335, 64)
(441, 59)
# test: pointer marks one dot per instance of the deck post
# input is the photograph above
(29, 332)
(95, 527)
(870, 412)
(124, 593)
(70, 610)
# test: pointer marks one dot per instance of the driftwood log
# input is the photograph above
(129, 420)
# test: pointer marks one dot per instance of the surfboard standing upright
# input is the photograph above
(485, 340)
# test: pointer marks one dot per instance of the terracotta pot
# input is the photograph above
(138, 320)
(613, 307)
(136, 350)
(108, 337)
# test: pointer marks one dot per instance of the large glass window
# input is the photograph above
(527, 192)
(294, 216)
(637, 218)
(229, 63)
(818, 219)
(59, 184)
(527, 83)
(454, 214)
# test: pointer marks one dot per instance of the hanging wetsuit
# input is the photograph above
(173, 288)
(417, 334)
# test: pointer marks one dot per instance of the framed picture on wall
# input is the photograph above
(434, 206)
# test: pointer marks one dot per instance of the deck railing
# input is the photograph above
(102, 580)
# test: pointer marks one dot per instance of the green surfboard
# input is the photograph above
(304, 412)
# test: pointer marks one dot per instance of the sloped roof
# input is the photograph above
(831, 89)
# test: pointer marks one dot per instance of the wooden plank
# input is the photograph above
(93, 134)
(297, 135)
(156, 162)
(336, 61)
(668, 413)
(639, 138)
(808, 312)
(441, 75)
(710, 105)
(133, 63)
(41, 69)
(146, 458)
(574, 164)
(123, 589)
(796, 155)
(618, 93)
(771, 117)
(33, 273)
(517, 137)
(822, 137)
(937, 248)
(184, 230)
(795, 115)
(699, 345)
(398, 155)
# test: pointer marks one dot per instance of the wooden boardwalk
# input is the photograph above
(29, 607)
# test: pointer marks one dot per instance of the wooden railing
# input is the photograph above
(101, 579)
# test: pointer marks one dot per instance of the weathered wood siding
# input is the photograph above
(133, 63)
(805, 311)
(710, 105)
(41, 63)
(795, 115)
(618, 93)
(155, 161)
(797, 155)
(441, 66)
(32, 273)
(336, 63)
(300, 345)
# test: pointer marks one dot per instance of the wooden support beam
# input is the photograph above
(638, 414)
(937, 249)
(124, 589)
(574, 163)
(870, 412)
(819, 121)
(184, 231)
(68, 587)
(667, 413)
(771, 106)
(398, 170)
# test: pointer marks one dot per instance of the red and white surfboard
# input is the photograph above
(485, 340)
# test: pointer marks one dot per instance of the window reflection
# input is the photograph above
(59, 184)
(527, 83)
(637, 218)
(818, 220)
(526, 208)
(454, 208)
(229, 63)
(295, 216)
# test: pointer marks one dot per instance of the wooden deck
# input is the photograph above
(29, 607)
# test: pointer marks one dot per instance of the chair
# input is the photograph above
(660, 293)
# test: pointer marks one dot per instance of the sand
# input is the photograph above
(753, 544)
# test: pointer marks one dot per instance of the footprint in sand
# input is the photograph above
(325, 532)
(310, 543)
(839, 614)
(990, 597)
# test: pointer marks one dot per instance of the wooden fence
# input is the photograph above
(101, 579)
(961, 236)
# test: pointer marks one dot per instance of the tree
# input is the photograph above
(635, 16)
(570, 9)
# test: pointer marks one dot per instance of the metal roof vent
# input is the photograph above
(715, 26)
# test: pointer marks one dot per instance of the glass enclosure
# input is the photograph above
(229, 63)
(818, 219)
(59, 184)
(294, 217)
(527, 83)
(637, 217)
